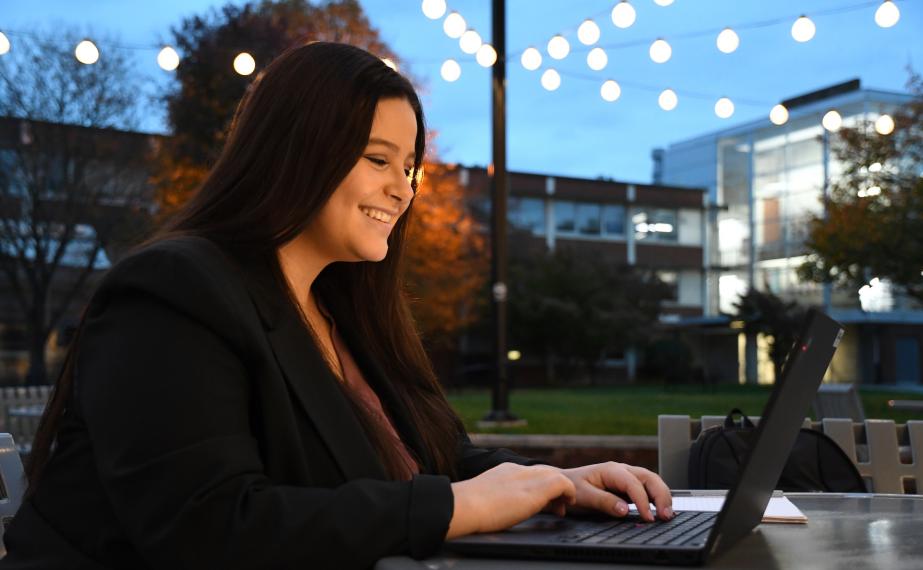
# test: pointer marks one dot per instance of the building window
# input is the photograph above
(652, 224)
(614, 220)
(587, 219)
(527, 214)
(671, 280)
(564, 217)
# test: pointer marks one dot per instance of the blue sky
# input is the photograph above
(573, 131)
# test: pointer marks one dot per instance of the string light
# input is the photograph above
(884, 125)
(667, 100)
(663, 2)
(4, 44)
(778, 115)
(597, 59)
(551, 80)
(887, 14)
(588, 32)
(450, 70)
(610, 91)
(244, 64)
(661, 51)
(803, 29)
(728, 41)
(86, 52)
(454, 25)
(623, 14)
(724, 108)
(832, 121)
(433, 9)
(486, 55)
(531, 59)
(470, 42)
(168, 59)
(558, 47)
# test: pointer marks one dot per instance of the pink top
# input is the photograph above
(356, 382)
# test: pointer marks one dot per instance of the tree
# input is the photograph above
(568, 305)
(207, 90)
(874, 221)
(446, 261)
(765, 313)
(71, 185)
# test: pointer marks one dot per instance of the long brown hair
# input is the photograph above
(298, 131)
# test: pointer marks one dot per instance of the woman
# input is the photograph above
(247, 390)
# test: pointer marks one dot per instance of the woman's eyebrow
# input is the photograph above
(389, 144)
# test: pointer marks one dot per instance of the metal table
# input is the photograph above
(843, 531)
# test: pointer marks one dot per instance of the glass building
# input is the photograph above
(765, 181)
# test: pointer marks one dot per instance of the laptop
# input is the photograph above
(690, 538)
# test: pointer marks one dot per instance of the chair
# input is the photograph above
(12, 483)
(838, 401)
(886, 455)
(21, 407)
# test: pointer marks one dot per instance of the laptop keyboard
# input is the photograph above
(687, 528)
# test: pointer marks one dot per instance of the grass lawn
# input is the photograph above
(633, 410)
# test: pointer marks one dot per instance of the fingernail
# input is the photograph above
(621, 509)
(668, 512)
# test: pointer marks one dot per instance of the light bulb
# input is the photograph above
(884, 125)
(531, 59)
(433, 9)
(450, 71)
(778, 115)
(551, 80)
(724, 108)
(244, 63)
(588, 32)
(663, 2)
(470, 42)
(486, 55)
(887, 14)
(661, 51)
(832, 121)
(4, 44)
(623, 14)
(558, 47)
(86, 52)
(168, 59)
(610, 90)
(803, 29)
(597, 59)
(667, 100)
(454, 25)
(728, 40)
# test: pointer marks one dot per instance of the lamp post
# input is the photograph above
(499, 186)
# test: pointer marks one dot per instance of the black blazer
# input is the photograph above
(206, 431)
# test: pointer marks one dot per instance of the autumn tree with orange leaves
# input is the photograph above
(446, 262)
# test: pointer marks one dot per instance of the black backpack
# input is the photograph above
(816, 462)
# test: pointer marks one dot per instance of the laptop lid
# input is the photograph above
(778, 428)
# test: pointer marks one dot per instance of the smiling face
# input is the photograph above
(356, 221)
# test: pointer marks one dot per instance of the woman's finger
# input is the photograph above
(616, 476)
(657, 490)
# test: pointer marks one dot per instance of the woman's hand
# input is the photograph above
(508, 494)
(599, 486)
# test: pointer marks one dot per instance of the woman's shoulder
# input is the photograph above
(190, 273)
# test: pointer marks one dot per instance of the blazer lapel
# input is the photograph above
(315, 387)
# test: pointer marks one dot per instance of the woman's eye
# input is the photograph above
(408, 172)
(377, 161)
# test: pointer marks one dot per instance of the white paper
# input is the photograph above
(780, 509)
